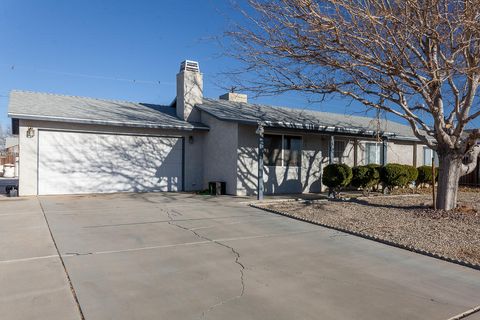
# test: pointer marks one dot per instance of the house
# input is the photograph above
(11, 144)
(71, 145)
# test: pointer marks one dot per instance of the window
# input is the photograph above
(282, 150)
(272, 153)
(292, 151)
(427, 156)
(373, 153)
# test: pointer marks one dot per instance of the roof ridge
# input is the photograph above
(310, 110)
(82, 97)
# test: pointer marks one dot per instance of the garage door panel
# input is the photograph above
(72, 162)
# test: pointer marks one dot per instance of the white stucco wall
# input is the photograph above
(220, 152)
(400, 152)
(278, 179)
(193, 176)
(397, 152)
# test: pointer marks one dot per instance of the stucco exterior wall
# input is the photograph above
(28, 154)
(220, 152)
(278, 179)
(398, 152)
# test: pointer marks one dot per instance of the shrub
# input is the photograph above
(394, 175)
(425, 175)
(375, 173)
(412, 174)
(365, 177)
(336, 176)
(360, 177)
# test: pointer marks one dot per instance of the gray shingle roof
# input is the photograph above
(54, 107)
(302, 119)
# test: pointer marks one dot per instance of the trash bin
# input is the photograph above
(217, 188)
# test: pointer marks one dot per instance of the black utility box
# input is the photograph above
(217, 188)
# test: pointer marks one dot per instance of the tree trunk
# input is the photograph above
(449, 175)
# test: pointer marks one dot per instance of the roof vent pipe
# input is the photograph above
(189, 65)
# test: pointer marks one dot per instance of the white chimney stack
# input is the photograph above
(189, 90)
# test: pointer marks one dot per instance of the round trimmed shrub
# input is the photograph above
(365, 177)
(425, 175)
(337, 175)
(394, 175)
(360, 177)
(412, 174)
(375, 173)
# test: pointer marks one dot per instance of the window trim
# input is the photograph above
(433, 153)
(380, 153)
(339, 157)
(283, 149)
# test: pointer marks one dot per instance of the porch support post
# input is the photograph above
(355, 152)
(384, 151)
(415, 155)
(331, 147)
(260, 133)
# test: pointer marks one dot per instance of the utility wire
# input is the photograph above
(14, 67)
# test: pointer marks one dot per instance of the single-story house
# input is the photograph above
(11, 144)
(71, 144)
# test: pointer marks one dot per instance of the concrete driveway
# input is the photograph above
(181, 256)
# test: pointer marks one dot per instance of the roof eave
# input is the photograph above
(106, 122)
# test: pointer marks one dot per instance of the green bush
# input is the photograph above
(375, 173)
(360, 177)
(412, 174)
(394, 175)
(336, 176)
(425, 175)
(365, 177)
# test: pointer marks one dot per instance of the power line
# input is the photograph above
(14, 67)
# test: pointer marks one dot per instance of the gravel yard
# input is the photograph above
(403, 219)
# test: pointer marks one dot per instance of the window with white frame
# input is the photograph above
(428, 154)
(373, 153)
(282, 150)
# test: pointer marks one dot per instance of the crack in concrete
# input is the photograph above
(235, 253)
(167, 221)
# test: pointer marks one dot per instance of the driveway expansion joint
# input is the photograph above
(67, 275)
(235, 253)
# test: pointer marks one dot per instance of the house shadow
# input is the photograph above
(278, 179)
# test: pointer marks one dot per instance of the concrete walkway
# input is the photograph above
(180, 256)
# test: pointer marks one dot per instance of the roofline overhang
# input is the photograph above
(149, 125)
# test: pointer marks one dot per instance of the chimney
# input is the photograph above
(189, 90)
(233, 96)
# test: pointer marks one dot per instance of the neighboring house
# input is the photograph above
(74, 144)
(11, 144)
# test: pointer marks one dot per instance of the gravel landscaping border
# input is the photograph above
(370, 237)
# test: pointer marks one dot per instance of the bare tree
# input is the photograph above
(417, 59)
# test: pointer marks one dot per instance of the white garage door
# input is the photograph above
(73, 162)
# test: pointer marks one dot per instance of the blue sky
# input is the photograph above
(119, 49)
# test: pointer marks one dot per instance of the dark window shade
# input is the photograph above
(272, 153)
(292, 151)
